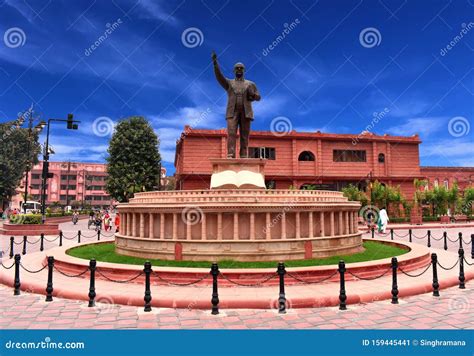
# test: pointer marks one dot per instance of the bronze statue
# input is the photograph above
(239, 113)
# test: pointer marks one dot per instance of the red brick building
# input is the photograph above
(329, 161)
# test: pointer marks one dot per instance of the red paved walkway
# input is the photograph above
(453, 310)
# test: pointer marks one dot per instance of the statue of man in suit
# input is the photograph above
(239, 113)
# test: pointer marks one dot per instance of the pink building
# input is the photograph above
(72, 181)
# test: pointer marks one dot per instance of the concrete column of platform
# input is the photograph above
(188, 230)
(219, 226)
(142, 225)
(123, 224)
(236, 226)
(298, 225)
(134, 224)
(129, 224)
(283, 225)
(203, 227)
(162, 226)
(310, 222)
(252, 226)
(331, 224)
(268, 232)
(321, 222)
(340, 229)
(346, 223)
(356, 221)
(174, 234)
(151, 229)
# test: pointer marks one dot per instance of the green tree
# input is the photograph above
(353, 193)
(467, 200)
(133, 160)
(14, 156)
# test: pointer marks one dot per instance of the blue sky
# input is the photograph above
(323, 74)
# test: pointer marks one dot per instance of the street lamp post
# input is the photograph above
(71, 125)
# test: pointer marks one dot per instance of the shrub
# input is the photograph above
(25, 219)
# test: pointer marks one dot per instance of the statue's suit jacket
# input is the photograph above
(229, 85)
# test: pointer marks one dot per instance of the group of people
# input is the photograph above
(379, 220)
(99, 219)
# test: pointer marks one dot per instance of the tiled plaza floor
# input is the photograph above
(453, 310)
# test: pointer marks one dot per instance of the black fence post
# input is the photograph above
(98, 235)
(429, 238)
(42, 242)
(92, 294)
(460, 239)
(342, 289)
(147, 298)
(12, 244)
(462, 278)
(17, 283)
(25, 239)
(445, 237)
(79, 237)
(472, 246)
(394, 281)
(373, 232)
(435, 284)
(409, 235)
(281, 297)
(49, 285)
(60, 238)
(391, 234)
(215, 294)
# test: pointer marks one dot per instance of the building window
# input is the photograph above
(436, 183)
(35, 176)
(349, 156)
(262, 152)
(65, 177)
(71, 187)
(381, 158)
(306, 156)
(446, 183)
(270, 184)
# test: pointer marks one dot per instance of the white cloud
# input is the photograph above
(452, 152)
(424, 126)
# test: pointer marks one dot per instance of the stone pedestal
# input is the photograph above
(237, 173)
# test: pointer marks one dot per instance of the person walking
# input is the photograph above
(107, 222)
(117, 222)
(383, 220)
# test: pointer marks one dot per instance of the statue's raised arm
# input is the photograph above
(223, 81)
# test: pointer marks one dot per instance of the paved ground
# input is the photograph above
(454, 309)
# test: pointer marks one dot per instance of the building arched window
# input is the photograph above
(381, 158)
(436, 183)
(306, 156)
(446, 183)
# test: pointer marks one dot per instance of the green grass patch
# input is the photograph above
(105, 252)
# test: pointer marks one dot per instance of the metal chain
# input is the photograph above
(18, 243)
(71, 275)
(313, 282)
(419, 237)
(259, 283)
(180, 284)
(369, 278)
(30, 271)
(469, 264)
(381, 233)
(103, 235)
(450, 268)
(453, 241)
(119, 281)
(88, 237)
(70, 238)
(6, 266)
(32, 243)
(467, 243)
(57, 237)
(414, 275)
(402, 236)
(434, 238)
